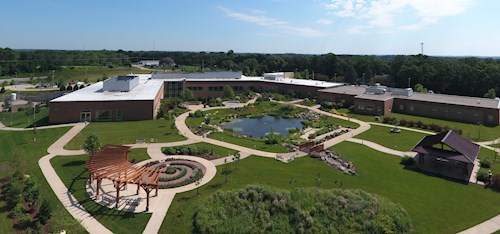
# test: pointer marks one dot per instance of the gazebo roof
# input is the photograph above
(466, 150)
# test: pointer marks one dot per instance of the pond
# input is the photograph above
(259, 127)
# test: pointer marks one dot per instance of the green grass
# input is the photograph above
(218, 150)
(435, 205)
(328, 120)
(495, 145)
(193, 122)
(127, 132)
(72, 171)
(21, 120)
(470, 131)
(403, 141)
(495, 165)
(19, 146)
(249, 143)
(92, 73)
(138, 154)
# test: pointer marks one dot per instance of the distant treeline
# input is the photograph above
(463, 76)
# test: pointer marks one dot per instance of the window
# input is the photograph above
(215, 88)
(401, 107)
(459, 113)
(119, 115)
(490, 118)
(476, 115)
(343, 100)
(103, 115)
(370, 108)
(411, 108)
(361, 107)
(195, 88)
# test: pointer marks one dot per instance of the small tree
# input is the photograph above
(187, 95)
(420, 88)
(45, 212)
(236, 159)
(228, 92)
(91, 144)
(490, 94)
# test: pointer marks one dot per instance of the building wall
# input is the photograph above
(347, 99)
(446, 111)
(69, 112)
(157, 101)
(373, 107)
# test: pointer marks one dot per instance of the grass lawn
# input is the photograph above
(139, 154)
(435, 205)
(328, 120)
(470, 131)
(403, 141)
(218, 150)
(249, 143)
(128, 132)
(21, 120)
(495, 145)
(92, 73)
(495, 165)
(19, 146)
(72, 171)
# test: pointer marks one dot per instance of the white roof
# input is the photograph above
(146, 90)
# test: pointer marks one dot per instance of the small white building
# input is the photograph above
(151, 63)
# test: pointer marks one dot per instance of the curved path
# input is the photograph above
(166, 197)
(381, 148)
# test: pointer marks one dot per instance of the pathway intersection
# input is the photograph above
(165, 197)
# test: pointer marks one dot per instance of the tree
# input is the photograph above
(236, 159)
(92, 144)
(420, 88)
(187, 95)
(350, 74)
(490, 94)
(228, 92)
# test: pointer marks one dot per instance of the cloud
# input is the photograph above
(324, 22)
(259, 18)
(382, 13)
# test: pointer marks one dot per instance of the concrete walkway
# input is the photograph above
(381, 148)
(489, 226)
(3, 128)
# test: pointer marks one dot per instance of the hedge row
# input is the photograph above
(419, 124)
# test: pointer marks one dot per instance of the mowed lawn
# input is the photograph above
(72, 171)
(21, 120)
(435, 205)
(128, 132)
(19, 146)
(471, 131)
(403, 141)
(249, 143)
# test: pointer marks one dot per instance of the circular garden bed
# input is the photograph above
(179, 172)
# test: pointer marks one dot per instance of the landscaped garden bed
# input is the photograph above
(179, 172)
(202, 149)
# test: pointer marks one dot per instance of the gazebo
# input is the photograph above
(111, 162)
(447, 154)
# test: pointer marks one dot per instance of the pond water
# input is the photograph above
(258, 127)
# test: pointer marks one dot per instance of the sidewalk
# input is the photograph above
(381, 148)
(489, 226)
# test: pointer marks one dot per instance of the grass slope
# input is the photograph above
(435, 205)
(127, 132)
(249, 143)
(72, 171)
(403, 141)
(19, 146)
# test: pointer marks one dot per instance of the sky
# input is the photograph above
(372, 27)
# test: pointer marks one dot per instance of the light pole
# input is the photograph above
(335, 77)
(34, 112)
(409, 82)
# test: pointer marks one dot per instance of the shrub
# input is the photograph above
(407, 161)
(403, 122)
(486, 162)
(482, 175)
(496, 182)
(259, 209)
(45, 212)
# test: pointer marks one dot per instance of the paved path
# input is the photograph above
(58, 147)
(489, 226)
(381, 148)
(3, 128)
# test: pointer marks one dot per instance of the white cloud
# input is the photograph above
(259, 18)
(382, 13)
(324, 22)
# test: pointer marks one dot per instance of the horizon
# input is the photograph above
(461, 28)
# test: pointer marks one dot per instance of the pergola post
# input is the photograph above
(117, 186)
(147, 198)
(98, 185)
(138, 186)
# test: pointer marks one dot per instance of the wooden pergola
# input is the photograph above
(111, 162)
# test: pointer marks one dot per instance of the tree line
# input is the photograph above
(468, 76)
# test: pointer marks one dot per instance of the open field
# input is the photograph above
(21, 120)
(19, 147)
(72, 171)
(403, 141)
(435, 205)
(128, 132)
(470, 131)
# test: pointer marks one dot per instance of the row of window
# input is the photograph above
(476, 115)
(107, 115)
(195, 88)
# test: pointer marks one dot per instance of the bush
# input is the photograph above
(45, 212)
(496, 182)
(482, 175)
(407, 161)
(486, 162)
(259, 209)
